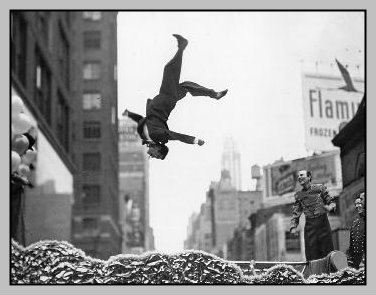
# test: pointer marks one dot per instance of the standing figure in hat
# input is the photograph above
(153, 128)
(315, 202)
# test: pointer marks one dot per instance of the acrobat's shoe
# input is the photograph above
(182, 42)
(220, 94)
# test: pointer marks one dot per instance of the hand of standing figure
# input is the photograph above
(330, 207)
(293, 230)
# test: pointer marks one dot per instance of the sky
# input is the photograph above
(260, 58)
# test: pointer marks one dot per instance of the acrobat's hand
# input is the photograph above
(199, 141)
(125, 113)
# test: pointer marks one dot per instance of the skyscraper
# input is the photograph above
(96, 227)
(41, 75)
(231, 162)
(134, 190)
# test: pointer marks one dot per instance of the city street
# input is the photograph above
(148, 150)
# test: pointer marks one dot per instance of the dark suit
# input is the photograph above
(159, 108)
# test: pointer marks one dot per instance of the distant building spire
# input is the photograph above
(231, 162)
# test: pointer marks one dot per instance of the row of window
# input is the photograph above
(91, 40)
(42, 78)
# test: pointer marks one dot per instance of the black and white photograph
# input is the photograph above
(188, 147)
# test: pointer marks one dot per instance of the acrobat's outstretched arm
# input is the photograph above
(184, 138)
(164, 135)
(135, 117)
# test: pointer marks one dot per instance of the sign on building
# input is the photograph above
(282, 177)
(326, 106)
(128, 133)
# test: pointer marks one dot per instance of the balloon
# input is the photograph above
(17, 105)
(16, 161)
(24, 170)
(29, 157)
(20, 144)
(12, 133)
(21, 123)
(33, 132)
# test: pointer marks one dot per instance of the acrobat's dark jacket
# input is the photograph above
(157, 125)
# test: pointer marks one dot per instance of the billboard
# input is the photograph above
(326, 106)
(323, 167)
(128, 135)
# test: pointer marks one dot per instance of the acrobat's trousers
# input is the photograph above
(170, 83)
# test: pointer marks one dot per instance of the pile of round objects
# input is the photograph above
(277, 275)
(53, 262)
(348, 276)
(23, 136)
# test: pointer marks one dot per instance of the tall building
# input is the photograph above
(224, 211)
(95, 227)
(231, 162)
(134, 190)
(41, 75)
(241, 245)
(200, 229)
(189, 243)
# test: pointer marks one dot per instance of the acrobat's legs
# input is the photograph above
(171, 73)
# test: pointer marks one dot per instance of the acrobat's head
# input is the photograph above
(157, 150)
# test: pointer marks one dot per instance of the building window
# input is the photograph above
(91, 162)
(92, 70)
(92, 129)
(91, 101)
(92, 40)
(91, 194)
(18, 46)
(63, 56)
(89, 223)
(292, 242)
(42, 86)
(92, 15)
(63, 121)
